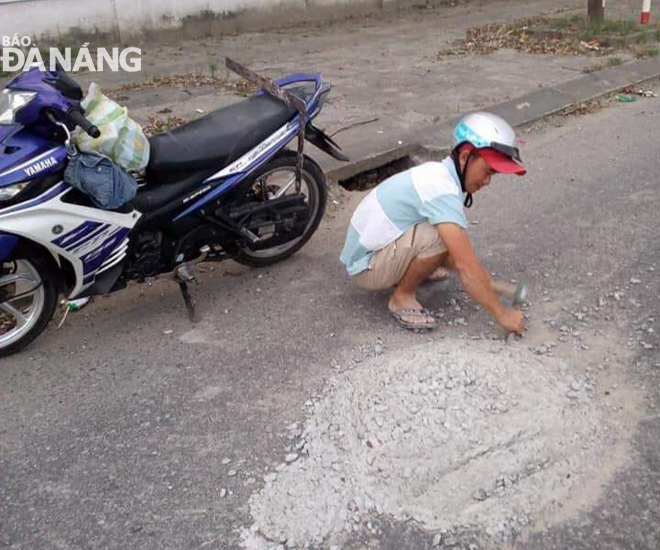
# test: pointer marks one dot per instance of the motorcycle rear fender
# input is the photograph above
(324, 142)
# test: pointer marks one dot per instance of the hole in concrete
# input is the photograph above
(371, 178)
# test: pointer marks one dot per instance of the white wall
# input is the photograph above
(125, 19)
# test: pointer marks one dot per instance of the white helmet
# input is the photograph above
(488, 131)
(493, 139)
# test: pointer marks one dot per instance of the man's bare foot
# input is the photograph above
(438, 275)
(410, 313)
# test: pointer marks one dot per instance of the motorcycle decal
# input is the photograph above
(70, 239)
(93, 260)
(91, 240)
(240, 169)
(48, 195)
(40, 166)
(54, 156)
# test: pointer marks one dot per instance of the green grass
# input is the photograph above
(213, 67)
(565, 23)
(587, 35)
(648, 51)
(617, 26)
(590, 30)
(610, 62)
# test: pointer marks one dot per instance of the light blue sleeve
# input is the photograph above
(444, 209)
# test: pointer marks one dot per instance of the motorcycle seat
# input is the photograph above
(214, 141)
(151, 197)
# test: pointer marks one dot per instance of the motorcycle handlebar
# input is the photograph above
(78, 119)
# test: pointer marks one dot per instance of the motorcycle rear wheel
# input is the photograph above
(278, 176)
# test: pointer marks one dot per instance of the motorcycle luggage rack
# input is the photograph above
(287, 98)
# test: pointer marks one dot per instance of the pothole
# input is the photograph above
(369, 179)
(452, 437)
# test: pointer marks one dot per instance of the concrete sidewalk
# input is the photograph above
(435, 140)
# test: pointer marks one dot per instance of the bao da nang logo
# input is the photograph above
(20, 54)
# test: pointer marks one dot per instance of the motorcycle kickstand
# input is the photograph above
(184, 274)
(190, 303)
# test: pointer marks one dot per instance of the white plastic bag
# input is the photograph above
(122, 139)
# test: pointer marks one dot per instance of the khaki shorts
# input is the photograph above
(388, 265)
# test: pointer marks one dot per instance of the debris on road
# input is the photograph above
(626, 98)
(519, 35)
(157, 125)
(449, 437)
(189, 80)
(77, 305)
(588, 108)
(630, 95)
(592, 45)
(646, 93)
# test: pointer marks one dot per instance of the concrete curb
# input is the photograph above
(524, 110)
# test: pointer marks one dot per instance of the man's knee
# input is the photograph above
(427, 242)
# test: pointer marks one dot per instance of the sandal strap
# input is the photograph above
(413, 312)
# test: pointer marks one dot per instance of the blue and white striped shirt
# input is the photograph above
(428, 192)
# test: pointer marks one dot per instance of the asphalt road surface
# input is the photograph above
(114, 428)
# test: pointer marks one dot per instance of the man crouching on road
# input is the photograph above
(413, 225)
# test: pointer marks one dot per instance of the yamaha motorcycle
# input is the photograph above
(222, 186)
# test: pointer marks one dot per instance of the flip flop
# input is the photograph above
(415, 313)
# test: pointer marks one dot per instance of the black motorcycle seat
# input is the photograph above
(212, 142)
(151, 197)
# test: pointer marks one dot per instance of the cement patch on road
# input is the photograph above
(484, 438)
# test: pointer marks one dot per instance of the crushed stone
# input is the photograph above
(452, 436)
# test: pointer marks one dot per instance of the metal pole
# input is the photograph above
(646, 11)
(284, 96)
(595, 11)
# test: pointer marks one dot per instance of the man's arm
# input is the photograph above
(474, 278)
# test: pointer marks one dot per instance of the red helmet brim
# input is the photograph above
(502, 164)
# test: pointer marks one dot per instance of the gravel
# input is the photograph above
(453, 436)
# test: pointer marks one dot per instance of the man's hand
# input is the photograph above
(474, 278)
(511, 320)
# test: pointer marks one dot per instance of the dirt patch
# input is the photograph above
(188, 80)
(540, 35)
(158, 125)
(486, 438)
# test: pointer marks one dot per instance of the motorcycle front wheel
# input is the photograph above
(28, 298)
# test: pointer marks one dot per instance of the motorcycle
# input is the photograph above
(222, 186)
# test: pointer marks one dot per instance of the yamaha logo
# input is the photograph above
(41, 166)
